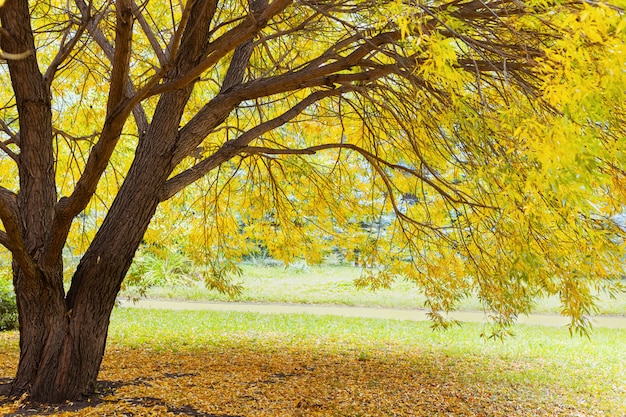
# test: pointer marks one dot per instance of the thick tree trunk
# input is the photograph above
(60, 354)
(40, 313)
(63, 338)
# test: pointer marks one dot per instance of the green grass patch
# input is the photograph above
(330, 284)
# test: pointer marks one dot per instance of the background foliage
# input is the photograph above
(8, 306)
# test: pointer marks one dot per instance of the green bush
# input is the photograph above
(161, 267)
(8, 307)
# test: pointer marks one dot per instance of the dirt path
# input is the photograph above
(616, 322)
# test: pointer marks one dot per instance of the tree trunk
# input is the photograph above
(63, 338)
(60, 353)
(61, 346)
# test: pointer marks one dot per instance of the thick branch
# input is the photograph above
(121, 57)
(4, 240)
(29, 227)
(174, 45)
(224, 44)
(9, 212)
(9, 217)
(13, 239)
(241, 57)
(68, 207)
(100, 154)
(310, 76)
(231, 148)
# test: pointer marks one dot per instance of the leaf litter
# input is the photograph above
(275, 378)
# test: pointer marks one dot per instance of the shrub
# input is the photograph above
(161, 267)
(8, 307)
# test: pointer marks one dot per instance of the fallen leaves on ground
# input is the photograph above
(283, 380)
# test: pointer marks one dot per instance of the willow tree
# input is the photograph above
(483, 140)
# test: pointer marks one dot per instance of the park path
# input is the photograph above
(616, 322)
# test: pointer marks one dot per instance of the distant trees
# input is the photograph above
(504, 121)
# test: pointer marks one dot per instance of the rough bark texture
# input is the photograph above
(39, 289)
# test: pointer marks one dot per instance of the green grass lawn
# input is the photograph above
(161, 362)
(335, 285)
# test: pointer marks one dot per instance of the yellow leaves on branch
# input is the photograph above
(586, 68)
(505, 189)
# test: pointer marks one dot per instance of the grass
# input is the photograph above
(335, 285)
(244, 364)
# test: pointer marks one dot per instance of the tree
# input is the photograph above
(486, 139)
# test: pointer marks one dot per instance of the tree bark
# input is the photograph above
(63, 338)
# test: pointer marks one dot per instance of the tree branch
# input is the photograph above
(241, 56)
(8, 151)
(114, 121)
(233, 147)
(147, 30)
(28, 227)
(223, 45)
(6, 129)
(319, 75)
(68, 207)
(4, 240)
(64, 51)
(121, 57)
(373, 159)
(12, 238)
(174, 44)
(326, 71)
(138, 112)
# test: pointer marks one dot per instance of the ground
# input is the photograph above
(223, 363)
(290, 379)
(286, 383)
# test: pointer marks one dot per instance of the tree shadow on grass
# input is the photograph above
(103, 389)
